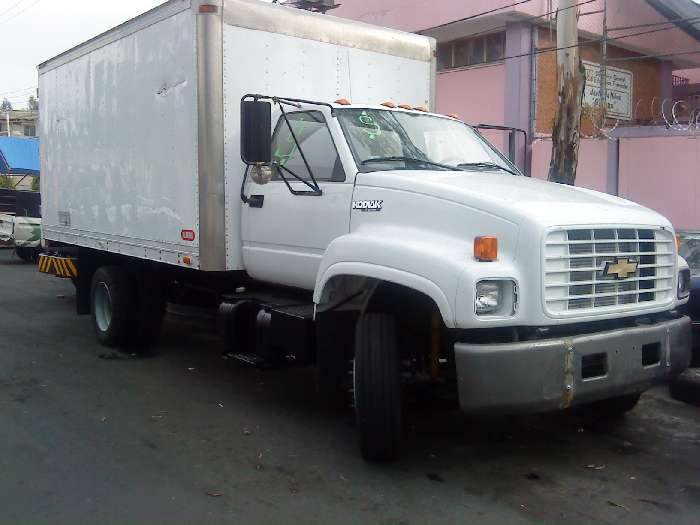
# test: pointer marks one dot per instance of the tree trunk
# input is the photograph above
(566, 132)
(571, 78)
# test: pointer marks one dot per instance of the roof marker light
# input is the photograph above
(343, 102)
(389, 104)
(405, 106)
(421, 108)
(453, 115)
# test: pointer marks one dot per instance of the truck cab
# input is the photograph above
(546, 296)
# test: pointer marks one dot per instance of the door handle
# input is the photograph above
(256, 201)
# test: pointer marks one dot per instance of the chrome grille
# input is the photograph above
(575, 262)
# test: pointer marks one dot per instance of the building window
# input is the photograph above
(3, 127)
(30, 130)
(471, 51)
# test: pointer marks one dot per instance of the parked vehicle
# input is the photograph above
(690, 251)
(20, 222)
(207, 149)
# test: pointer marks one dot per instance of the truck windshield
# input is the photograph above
(390, 140)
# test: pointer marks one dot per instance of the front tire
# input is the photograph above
(377, 387)
(111, 298)
(616, 406)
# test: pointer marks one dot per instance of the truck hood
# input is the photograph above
(516, 198)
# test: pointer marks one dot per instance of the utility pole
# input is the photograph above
(571, 80)
(7, 117)
(604, 66)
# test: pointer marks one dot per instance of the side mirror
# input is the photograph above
(256, 132)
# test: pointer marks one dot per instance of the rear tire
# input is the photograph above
(29, 255)
(615, 406)
(148, 311)
(377, 387)
(112, 294)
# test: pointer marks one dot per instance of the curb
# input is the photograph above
(686, 387)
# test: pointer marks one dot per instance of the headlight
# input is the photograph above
(683, 283)
(495, 297)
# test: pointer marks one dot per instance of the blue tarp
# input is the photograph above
(19, 156)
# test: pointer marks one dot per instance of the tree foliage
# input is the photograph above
(32, 103)
(6, 105)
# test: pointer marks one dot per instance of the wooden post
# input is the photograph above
(571, 79)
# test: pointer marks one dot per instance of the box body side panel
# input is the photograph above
(119, 146)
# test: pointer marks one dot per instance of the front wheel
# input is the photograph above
(616, 406)
(377, 387)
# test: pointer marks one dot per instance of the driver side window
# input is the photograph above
(315, 142)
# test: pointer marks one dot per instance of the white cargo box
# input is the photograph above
(140, 125)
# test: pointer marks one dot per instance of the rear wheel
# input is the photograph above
(377, 387)
(148, 311)
(27, 254)
(111, 298)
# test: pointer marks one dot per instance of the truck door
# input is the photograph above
(285, 235)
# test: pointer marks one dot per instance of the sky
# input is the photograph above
(32, 31)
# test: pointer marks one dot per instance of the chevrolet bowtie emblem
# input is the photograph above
(620, 268)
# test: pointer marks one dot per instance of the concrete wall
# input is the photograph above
(663, 173)
(476, 95)
(593, 168)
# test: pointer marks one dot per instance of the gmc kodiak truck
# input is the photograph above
(250, 153)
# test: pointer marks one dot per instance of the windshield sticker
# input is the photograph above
(369, 126)
(367, 205)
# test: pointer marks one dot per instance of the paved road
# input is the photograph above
(186, 437)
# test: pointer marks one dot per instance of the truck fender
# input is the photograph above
(367, 271)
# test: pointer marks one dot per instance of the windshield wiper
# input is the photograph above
(487, 165)
(409, 159)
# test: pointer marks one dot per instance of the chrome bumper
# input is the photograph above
(552, 374)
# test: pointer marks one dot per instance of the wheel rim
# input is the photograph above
(103, 307)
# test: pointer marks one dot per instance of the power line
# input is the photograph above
(18, 90)
(20, 12)
(591, 42)
(662, 55)
(598, 41)
(11, 7)
(669, 21)
(528, 19)
(477, 15)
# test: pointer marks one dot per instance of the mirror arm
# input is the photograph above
(244, 197)
(315, 186)
(315, 190)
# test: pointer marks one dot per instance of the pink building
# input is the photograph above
(496, 66)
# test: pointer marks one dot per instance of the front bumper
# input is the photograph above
(551, 374)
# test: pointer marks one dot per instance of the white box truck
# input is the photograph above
(246, 155)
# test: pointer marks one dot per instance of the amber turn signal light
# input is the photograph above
(679, 241)
(486, 248)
